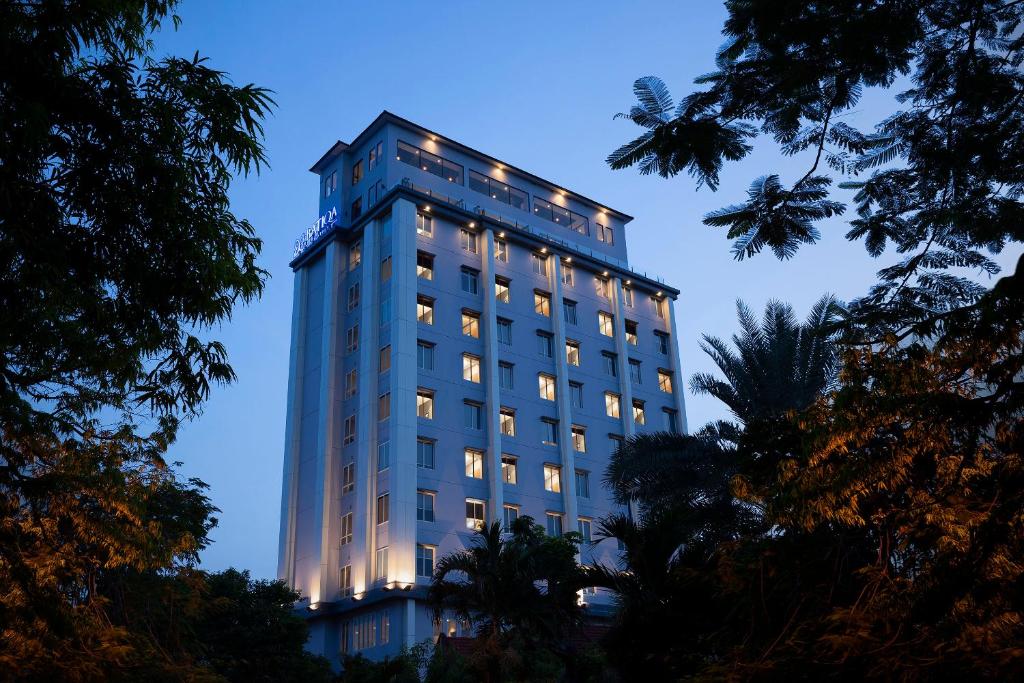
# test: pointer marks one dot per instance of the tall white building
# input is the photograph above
(469, 345)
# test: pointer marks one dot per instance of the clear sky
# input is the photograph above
(533, 83)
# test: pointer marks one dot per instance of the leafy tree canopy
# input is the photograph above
(119, 253)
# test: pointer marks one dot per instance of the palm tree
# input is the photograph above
(778, 365)
(517, 587)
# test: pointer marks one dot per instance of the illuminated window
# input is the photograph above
(425, 404)
(470, 368)
(424, 225)
(567, 274)
(579, 439)
(546, 385)
(612, 404)
(627, 296)
(424, 265)
(500, 250)
(542, 303)
(425, 310)
(605, 234)
(660, 307)
(501, 291)
(507, 421)
(639, 416)
(508, 469)
(665, 381)
(606, 323)
(603, 287)
(471, 324)
(474, 463)
(572, 352)
(475, 513)
(631, 332)
(355, 255)
(430, 162)
(496, 189)
(357, 172)
(553, 478)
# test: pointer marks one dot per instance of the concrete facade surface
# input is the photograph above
(469, 343)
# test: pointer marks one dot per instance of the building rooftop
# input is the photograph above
(387, 117)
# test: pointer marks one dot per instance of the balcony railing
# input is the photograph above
(314, 235)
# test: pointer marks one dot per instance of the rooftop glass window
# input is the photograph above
(430, 162)
(561, 215)
(499, 190)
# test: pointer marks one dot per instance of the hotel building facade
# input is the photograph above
(469, 345)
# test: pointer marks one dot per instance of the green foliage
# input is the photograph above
(778, 365)
(868, 526)
(118, 255)
(946, 172)
(519, 591)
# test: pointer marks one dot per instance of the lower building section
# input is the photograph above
(380, 623)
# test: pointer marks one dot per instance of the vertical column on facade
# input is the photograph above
(402, 526)
(625, 383)
(565, 443)
(364, 534)
(328, 468)
(496, 482)
(674, 366)
(292, 433)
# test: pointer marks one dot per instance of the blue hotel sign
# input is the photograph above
(320, 227)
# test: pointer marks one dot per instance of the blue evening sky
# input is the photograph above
(533, 83)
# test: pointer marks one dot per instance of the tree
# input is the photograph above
(119, 254)
(893, 503)
(519, 591)
(220, 626)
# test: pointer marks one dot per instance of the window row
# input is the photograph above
(495, 189)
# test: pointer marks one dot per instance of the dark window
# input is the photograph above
(561, 215)
(495, 189)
